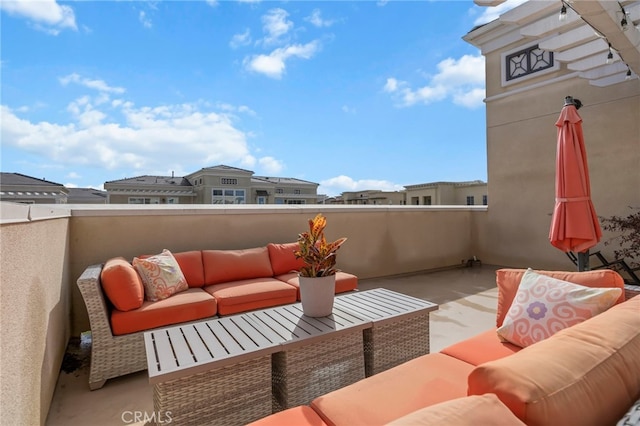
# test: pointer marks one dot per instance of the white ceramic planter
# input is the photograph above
(316, 295)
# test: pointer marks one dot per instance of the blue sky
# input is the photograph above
(351, 95)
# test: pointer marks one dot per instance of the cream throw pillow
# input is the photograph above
(161, 275)
(544, 305)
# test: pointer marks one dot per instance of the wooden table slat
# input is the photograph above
(180, 348)
(164, 351)
(200, 350)
(210, 340)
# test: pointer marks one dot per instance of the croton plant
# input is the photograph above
(318, 255)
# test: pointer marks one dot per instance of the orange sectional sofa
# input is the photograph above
(220, 282)
(586, 374)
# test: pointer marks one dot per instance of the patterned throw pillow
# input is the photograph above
(544, 305)
(161, 275)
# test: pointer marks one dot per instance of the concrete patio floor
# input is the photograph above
(467, 299)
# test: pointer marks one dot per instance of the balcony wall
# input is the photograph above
(44, 249)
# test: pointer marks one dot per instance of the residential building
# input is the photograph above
(19, 188)
(447, 193)
(86, 196)
(533, 61)
(374, 197)
(212, 185)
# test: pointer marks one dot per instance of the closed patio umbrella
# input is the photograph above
(574, 225)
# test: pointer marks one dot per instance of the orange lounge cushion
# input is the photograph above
(481, 348)
(122, 284)
(588, 374)
(468, 411)
(391, 394)
(191, 265)
(223, 266)
(296, 416)
(508, 281)
(247, 295)
(188, 305)
(283, 261)
(344, 282)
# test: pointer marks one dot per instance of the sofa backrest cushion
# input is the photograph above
(282, 258)
(587, 374)
(191, 265)
(221, 266)
(508, 281)
(122, 284)
(468, 411)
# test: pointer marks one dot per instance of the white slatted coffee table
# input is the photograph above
(214, 372)
(399, 328)
(236, 369)
(317, 356)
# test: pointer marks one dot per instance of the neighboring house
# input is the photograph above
(374, 197)
(19, 188)
(447, 193)
(212, 185)
(533, 60)
(86, 196)
(150, 190)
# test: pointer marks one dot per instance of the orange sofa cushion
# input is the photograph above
(189, 305)
(588, 374)
(391, 394)
(283, 261)
(247, 295)
(481, 348)
(190, 263)
(296, 416)
(469, 411)
(508, 281)
(344, 282)
(122, 284)
(222, 266)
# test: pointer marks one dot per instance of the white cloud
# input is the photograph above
(316, 19)
(275, 25)
(273, 65)
(242, 39)
(73, 175)
(492, 13)
(98, 85)
(138, 140)
(144, 19)
(340, 184)
(462, 80)
(348, 110)
(271, 165)
(212, 3)
(45, 15)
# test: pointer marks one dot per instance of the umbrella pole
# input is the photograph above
(583, 261)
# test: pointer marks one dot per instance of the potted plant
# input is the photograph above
(318, 275)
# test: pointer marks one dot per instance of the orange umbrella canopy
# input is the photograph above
(574, 225)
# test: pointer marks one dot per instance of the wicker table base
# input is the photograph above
(302, 374)
(234, 395)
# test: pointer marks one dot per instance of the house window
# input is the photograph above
(527, 61)
(228, 181)
(484, 200)
(262, 200)
(172, 200)
(143, 200)
(296, 191)
(295, 202)
(427, 200)
(470, 200)
(228, 196)
(279, 191)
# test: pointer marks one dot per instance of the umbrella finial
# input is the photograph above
(569, 100)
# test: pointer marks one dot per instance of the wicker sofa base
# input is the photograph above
(232, 395)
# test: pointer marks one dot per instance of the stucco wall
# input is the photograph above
(521, 154)
(382, 241)
(34, 313)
